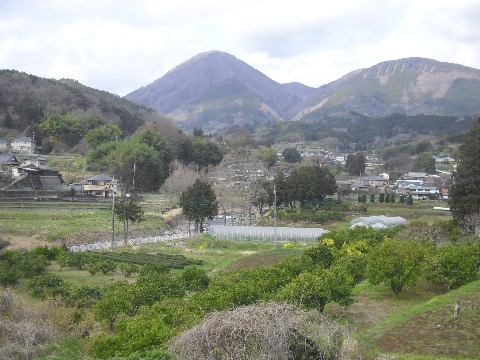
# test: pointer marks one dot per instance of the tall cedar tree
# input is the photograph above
(198, 203)
(465, 192)
(355, 164)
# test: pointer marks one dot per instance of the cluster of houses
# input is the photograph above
(33, 173)
(419, 185)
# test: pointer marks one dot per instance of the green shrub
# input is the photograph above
(47, 285)
(451, 266)
(9, 274)
(194, 278)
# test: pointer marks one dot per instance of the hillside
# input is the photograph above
(408, 86)
(27, 99)
(215, 90)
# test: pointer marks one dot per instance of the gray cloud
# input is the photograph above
(120, 46)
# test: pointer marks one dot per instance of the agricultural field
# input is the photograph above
(26, 224)
(416, 324)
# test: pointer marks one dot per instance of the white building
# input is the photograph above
(23, 145)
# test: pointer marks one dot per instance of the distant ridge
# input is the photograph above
(215, 90)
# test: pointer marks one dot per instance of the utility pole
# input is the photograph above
(274, 217)
(134, 169)
(113, 212)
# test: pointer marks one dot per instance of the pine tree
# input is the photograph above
(465, 192)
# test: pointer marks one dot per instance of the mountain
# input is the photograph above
(215, 90)
(408, 86)
(25, 100)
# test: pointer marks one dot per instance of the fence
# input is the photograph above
(138, 241)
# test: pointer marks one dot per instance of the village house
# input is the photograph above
(36, 160)
(403, 184)
(371, 183)
(101, 186)
(416, 176)
(23, 145)
(424, 192)
(32, 177)
(7, 161)
(375, 181)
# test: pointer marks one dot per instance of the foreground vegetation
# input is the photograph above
(363, 286)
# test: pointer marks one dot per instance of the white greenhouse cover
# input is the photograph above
(260, 233)
(378, 222)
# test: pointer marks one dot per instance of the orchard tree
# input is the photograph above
(395, 263)
(314, 289)
(113, 303)
(464, 196)
(452, 266)
(198, 202)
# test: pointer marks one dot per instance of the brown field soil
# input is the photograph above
(438, 332)
(433, 333)
(25, 243)
(256, 261)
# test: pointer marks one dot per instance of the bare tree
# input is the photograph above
(181, 177)
(22, 331)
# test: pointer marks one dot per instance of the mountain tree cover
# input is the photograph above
(425, 163)
(102, 134)
(465, 192)
(364, 131)
(68, 128)
(198, 202)
(355, 164)
(143, 160)
(291, 155)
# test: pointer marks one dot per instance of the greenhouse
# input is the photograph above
(378, 222)
(258, 233)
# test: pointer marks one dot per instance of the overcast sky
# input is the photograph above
(121, 45)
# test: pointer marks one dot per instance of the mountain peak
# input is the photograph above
(180, 90)
(215, 88)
